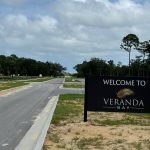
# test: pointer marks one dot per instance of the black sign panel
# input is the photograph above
(117, 94)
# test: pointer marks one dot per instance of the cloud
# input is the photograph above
(100, 13)
(75, 29)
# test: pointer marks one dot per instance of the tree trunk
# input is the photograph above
(129, 57)
(129, 62)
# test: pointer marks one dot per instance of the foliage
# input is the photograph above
(12, 64)
(144, 48)
(94, 67)
(137, 67)
(128, 42)
(100, 67)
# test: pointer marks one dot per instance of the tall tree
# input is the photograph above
(12, 64)
(129, 42)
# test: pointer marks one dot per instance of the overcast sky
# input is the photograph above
(71, 31)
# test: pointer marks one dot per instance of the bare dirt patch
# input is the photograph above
(77, 135)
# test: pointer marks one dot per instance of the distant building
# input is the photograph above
(40, 75)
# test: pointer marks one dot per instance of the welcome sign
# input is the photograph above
(117, 94)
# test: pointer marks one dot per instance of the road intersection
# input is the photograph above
(20, 108)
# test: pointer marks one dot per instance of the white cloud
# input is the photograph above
(100, 13)
(76, 29)
(80, 1)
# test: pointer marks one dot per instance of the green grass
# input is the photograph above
(140, 115)
(7, 84)
(24, 78)
(69, 106)
(71, 97)
(73, 85)
(11, 78)
(125, 121)
(70, 79)
(11, 84)
(40, 79)
(116, 122)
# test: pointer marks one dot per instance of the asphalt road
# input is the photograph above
(18, 110)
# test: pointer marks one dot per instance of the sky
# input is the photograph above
(71, 31)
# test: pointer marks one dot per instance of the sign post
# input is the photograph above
(117, 94)
(85, 100)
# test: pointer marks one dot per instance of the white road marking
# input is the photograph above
(24, 122)
(5, 144)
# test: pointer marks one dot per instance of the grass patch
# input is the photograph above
(68, 133)
(120, 141)
(84, 143)
(70, 79)
(40, 79)
(11, 84)
(147, 143)
(140, 115)
(137, 145)
(69, 105)
(127, 120)
(117, 122)
(12, 78)
(54, 137)
(73, 85)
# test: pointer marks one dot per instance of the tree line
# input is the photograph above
(140, 66)
(13, 65)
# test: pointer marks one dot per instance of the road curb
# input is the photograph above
(34, 138)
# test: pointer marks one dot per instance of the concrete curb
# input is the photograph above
(34, 138)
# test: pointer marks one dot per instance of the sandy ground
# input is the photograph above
(74, 134)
